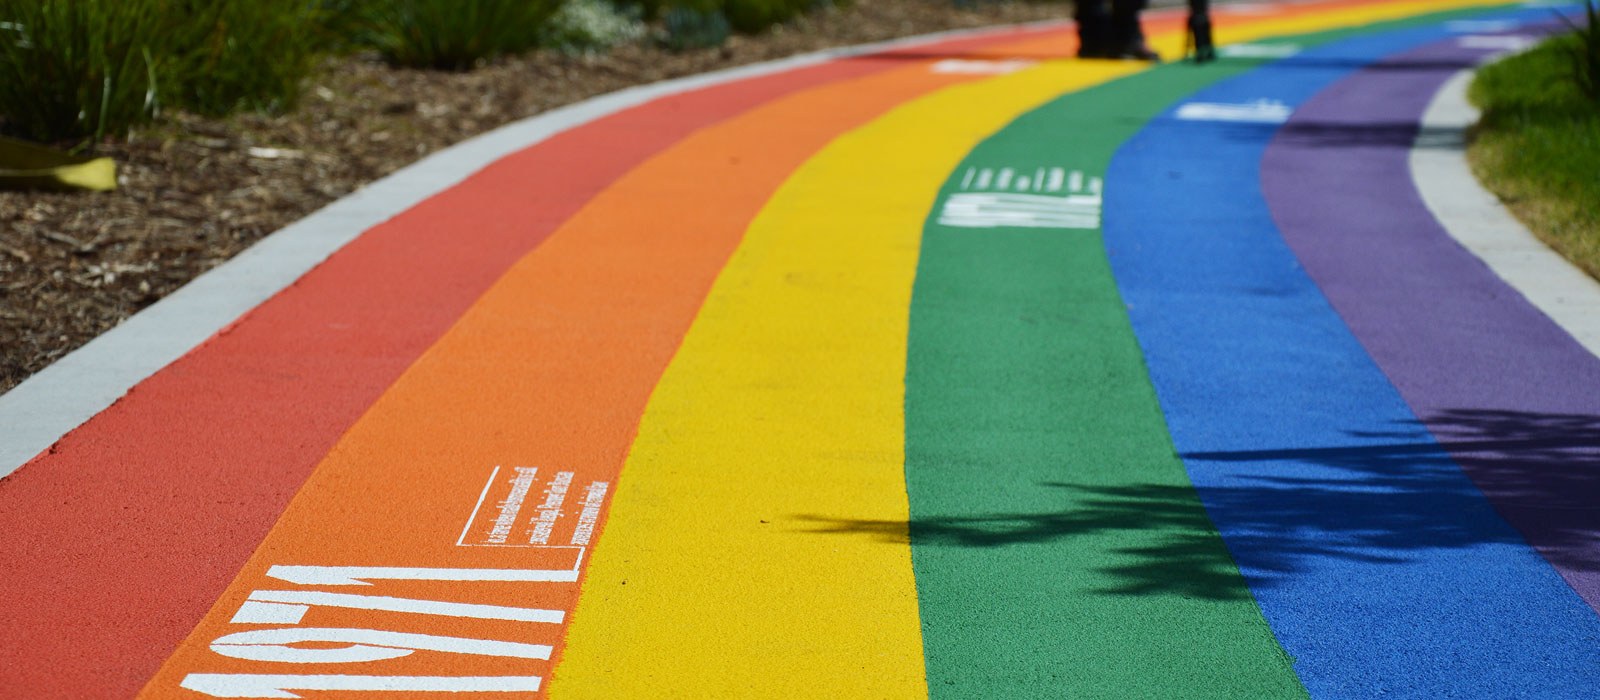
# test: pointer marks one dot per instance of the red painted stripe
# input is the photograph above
(116, 542)
(547, 374)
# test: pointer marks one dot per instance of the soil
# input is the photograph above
(195, 191)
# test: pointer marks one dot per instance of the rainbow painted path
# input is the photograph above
(953, 369)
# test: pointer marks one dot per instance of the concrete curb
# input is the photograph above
(1478, 220)
(45, 407)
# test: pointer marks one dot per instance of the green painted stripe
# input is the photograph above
(1059, 547)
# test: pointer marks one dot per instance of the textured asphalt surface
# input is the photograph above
(957, 369)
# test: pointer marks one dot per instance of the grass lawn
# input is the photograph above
(1538, 147)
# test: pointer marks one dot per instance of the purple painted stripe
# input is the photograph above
(1509, 394)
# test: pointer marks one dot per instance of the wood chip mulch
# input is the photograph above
(195, 191)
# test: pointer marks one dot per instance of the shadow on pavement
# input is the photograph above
(1381, 503)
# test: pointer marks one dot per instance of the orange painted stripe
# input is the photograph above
(546, 374)
(558, 389)
(327, 526)
(126, 532)
(189, 472)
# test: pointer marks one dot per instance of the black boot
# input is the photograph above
(1127, 39)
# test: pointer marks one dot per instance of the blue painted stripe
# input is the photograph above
(1383, 571)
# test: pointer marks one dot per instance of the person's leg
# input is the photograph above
(1094, 26)
(1200, 31)
(1125, 36)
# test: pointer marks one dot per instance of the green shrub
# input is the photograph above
(687, 28)
(71, 69)
(649, 10)
(243, 54)
(455, 34)
(343, 25)
(697, 23)
(1585, 51)
(752, 16)
(1537, 146)
(588, 26)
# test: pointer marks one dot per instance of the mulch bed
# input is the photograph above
(195, 191)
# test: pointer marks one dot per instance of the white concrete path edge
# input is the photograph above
(48, 405)
(1477, 220)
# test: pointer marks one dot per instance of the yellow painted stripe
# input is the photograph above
(1235, 28)
(783, 408)
(784, 405)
